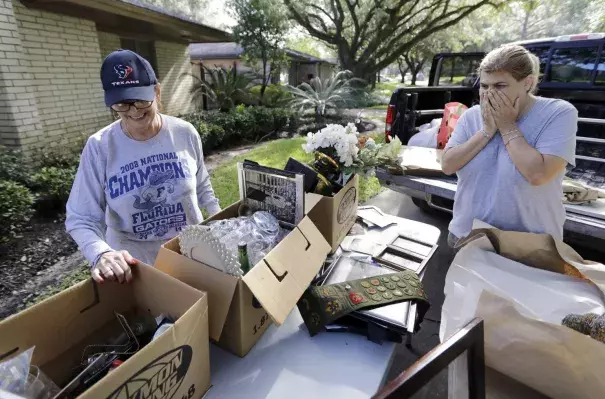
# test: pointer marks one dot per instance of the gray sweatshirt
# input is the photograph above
(136, 195)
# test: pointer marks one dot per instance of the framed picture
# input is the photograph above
(273, 190)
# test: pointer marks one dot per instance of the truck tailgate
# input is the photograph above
(581, 221)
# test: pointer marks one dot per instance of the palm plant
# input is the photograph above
(340, 91)
(224, 87)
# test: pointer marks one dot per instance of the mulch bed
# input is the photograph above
(41, 244)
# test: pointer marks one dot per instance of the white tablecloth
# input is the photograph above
(288, 363)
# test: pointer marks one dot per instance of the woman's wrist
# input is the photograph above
(509, 129)
(487, 134)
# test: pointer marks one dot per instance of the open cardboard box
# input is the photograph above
(334, 216)
(277, 282)
(173, 365)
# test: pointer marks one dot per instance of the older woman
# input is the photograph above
(140, 179)
(510, 152)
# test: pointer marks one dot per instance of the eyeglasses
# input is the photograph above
(123, 107)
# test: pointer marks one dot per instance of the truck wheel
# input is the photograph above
(422, 204)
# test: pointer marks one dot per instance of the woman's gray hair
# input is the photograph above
(514, 59)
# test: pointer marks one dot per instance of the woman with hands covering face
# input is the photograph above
(510, 152)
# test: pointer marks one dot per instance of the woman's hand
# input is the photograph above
(114, 265)
(504, 111)
(489, 124)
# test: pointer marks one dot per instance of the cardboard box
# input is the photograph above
(277, 282)
(174, 365)
(334, 216)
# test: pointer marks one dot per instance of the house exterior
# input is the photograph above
(228, 55)
(50, 58)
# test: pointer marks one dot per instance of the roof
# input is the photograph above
(215, 51)
(135, 18)
(230, 50)
(161, 10)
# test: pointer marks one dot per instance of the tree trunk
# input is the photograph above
(263, 86)
(525, 24)
(416, 71)
(402, 69)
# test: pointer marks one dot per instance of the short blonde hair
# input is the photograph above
(515, 60)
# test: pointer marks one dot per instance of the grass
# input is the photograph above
(390, 86)
(274, 154)
(380, 106)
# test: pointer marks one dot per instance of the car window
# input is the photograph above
(600, 79)
(542, 54)
(459, 70)
(572, 65)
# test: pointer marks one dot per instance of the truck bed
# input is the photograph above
(579, 219)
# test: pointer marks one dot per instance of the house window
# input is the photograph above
(144, 48)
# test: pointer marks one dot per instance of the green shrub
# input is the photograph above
(12, 167)
(224, 120)
(275, 95)
(284, 120)
(241, 124)
(263, 119)
(53, 183)
(15, 208)
(212, 135)
(60, 158)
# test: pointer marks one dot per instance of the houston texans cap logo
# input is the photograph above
(122, 71)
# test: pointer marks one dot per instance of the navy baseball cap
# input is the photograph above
(127, 76)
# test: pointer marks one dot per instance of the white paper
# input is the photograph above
(522, 308)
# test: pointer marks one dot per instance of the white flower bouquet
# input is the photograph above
(349, 153)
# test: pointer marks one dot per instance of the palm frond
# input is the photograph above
(321, 96)
(224, 87)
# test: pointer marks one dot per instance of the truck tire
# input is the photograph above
(423, 205)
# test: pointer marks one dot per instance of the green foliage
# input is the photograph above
(16, 203)
(62, 156)
(274, 154)
(340, 91)
(275, 95)
(225, 87)
(241, 124)
(54, 183)
(310, 45)
(369, 35)
(212, 135)
(261, 29)
(12, 167)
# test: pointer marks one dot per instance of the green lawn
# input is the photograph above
(273, 154)
(380, 106)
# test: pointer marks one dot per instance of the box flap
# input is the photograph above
(279, 280)
(219, 286)
(312, 199)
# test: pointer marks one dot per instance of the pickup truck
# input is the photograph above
(571, 68)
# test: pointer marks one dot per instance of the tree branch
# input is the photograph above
(431, 28)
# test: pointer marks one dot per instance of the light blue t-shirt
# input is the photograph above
(491, 189)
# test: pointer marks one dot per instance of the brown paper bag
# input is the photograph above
(537, 250)
(552, 359)
(420, 161)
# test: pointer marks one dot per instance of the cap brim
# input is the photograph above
(144, 93)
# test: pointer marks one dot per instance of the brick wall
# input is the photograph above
(19, 119)
(50, 91)
(173, 65)
(63, 60)
(108, 42)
